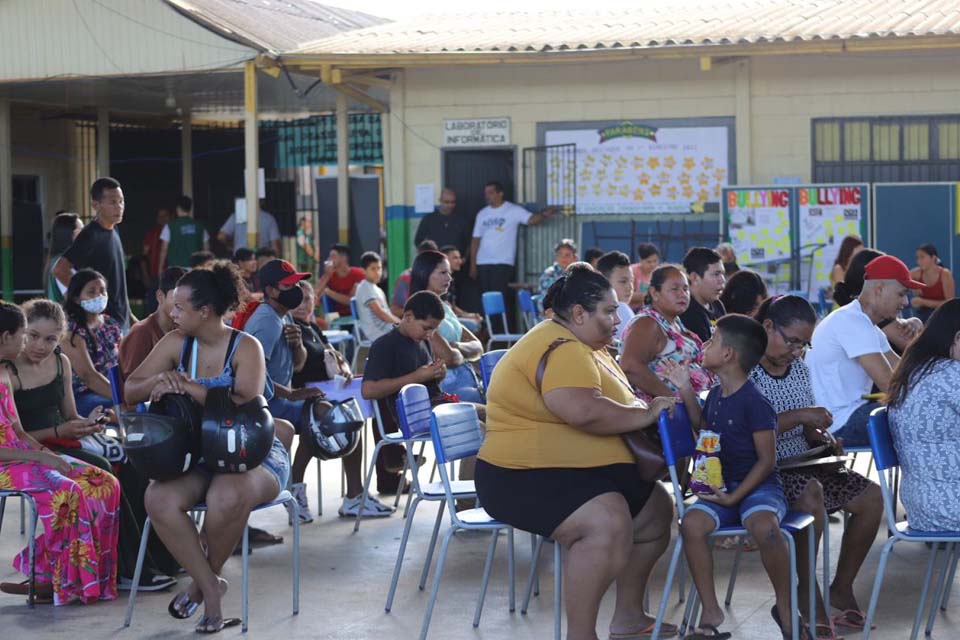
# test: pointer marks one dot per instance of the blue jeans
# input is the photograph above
(87, 401)
(854, 432)
(288, 410)
(766, 497)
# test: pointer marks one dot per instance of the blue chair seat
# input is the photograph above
(905, 529)
(459, 488)
(479, 518)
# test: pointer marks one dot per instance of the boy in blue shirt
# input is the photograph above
(747, 425)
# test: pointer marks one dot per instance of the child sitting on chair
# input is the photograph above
(753, 496)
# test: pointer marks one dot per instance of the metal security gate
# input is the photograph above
(549, 179)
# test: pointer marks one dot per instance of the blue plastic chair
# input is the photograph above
(676, 435)
(455, 430)
(359, 339)
(25, 500)
(286, 499)
(885, 457)
(415, 413)
(528, 309)
(825, 305)
(493, 305)
(488, 362)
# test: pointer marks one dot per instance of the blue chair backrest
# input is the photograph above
(488, 362)
(881, 443)
(355, 327)
(525, 300)
(413, 410)
(328, 305)
(824, 303)
(493, 303)
(455, 430)
(537, 307)
(676, 435)
(116, 386)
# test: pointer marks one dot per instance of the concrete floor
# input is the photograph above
(345, 579)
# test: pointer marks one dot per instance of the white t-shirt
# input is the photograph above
(839, 381)
(165, 234)
(497, 230)
(626, 315)
(371, 326)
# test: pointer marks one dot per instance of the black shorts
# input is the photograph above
(539, 500)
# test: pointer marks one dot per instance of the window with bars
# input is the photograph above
(886, 149)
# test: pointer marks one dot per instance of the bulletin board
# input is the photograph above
(758, 222)
(907, 215)
(826, 214)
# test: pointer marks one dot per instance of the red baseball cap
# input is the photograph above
(890, 268)
(279, 272)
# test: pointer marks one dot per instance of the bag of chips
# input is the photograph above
(707, 475)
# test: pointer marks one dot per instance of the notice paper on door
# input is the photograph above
(424, 198)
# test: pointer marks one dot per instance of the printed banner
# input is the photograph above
(636, 168)
(827, 214)
(758, 224)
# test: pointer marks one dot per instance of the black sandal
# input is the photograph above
(715, 633)
(786, 633)
(182, 607)
(210, 624)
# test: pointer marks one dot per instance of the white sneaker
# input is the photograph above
(372, 509)
(299, 491)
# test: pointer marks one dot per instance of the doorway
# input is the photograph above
(466, 171)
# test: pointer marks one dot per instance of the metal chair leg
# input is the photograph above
(535, 569)
(366, 485)
(137, 571)
(534, 565)
(934, 551)
(825, 588)
(296, 560)
(511, 571)
(245, 582)
(794, 606)
(403, 478)
(877, 582)
(938, 591)
(23, 519)
(319, 488)
(400, 553)
(671, 574)
(3, 506)
(812, 580)
(433, 545)
(741, 542)
(435, 589)
(32, 549)
(415, 469)
(557, 590)
(433, 471)
(949, 585)
(487, 566)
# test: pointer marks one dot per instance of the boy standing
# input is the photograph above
(375, 317)
(753, 495)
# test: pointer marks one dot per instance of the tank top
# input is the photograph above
(39, 407)
(188, 357)
(934, 291)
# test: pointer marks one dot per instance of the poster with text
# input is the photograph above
(828, 213)
(758, 224)
(636, 168)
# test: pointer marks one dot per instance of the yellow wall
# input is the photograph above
(780, 98)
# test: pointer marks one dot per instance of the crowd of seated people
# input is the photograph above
(764, 372)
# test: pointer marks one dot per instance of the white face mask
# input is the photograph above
(94, 305)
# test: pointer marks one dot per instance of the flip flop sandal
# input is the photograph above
(831, 632)
(23, 589)
(182, 607)
(666, 631)
(261, 538)
(853, 619)
(715, 633)
(208, 624)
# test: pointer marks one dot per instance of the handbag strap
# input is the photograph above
(542, 365)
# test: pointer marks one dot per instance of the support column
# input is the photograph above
(6, 200)
(251, 148)
(343, 169)
(103, 142)
(744, 123)
(186, 154)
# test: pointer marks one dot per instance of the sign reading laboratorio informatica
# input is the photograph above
(758, 223)
(476, 132)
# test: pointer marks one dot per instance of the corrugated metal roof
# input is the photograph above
(656, 25)
(274, 25)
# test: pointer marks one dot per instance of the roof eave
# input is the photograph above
(303, 60)
(191, 13)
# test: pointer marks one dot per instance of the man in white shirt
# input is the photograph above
(850, 353)
(493, 250)
(233, 234)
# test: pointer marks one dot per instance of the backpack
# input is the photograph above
(244, 313)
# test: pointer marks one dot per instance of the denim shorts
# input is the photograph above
(766, 497)
(277, 464)
(289, 410)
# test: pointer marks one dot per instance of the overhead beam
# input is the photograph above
(362, 97)
(6, 200)
(339, 76)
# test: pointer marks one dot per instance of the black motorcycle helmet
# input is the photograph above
(164, 443)
(235, 438)
(337, 432)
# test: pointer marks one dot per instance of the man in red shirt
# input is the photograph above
(339, 280)
(151, 246)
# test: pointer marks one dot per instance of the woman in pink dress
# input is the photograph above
(76, 555)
